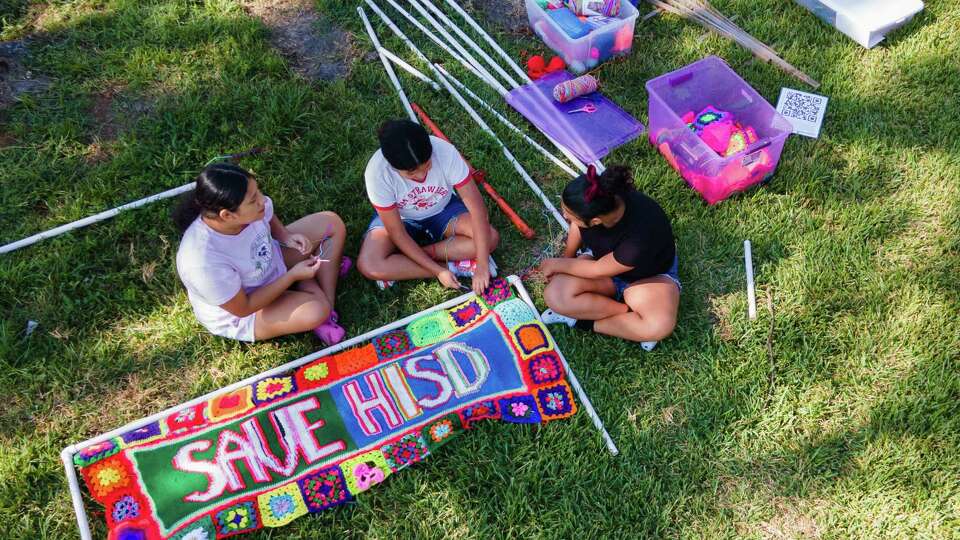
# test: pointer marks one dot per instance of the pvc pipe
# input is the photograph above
(470, 42)
(440, 43)
(574, 383)
(751, 293)
(503, 120)
(409, 69)
(456, 45)
(467, 17)
(76, 496)
(578, 165)
(386, 65)
(506, 151)
(502, 91)
(89, 220)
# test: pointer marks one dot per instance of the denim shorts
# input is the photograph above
(672, 273)
(428, 230)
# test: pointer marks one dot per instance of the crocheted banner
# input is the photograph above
(313, 438)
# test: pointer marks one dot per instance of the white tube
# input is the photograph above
(386, 65)
(440, 43)
(76, 497)
(89, 220)
(408, 68)
(751, 294)
(456, 45)
(466, 16)
(470, 42)
(574, 383)
(503, 120)
(506, 151)
(578, 165)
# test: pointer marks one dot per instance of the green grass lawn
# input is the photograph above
(852, 430)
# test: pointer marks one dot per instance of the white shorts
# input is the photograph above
(239, 328)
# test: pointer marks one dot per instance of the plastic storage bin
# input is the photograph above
(865, 21)
(689, 91)
(581, 54)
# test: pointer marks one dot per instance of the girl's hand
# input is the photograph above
(448, 280)
(550, 267)
(299, 242)
(305, 269)
(481, 277)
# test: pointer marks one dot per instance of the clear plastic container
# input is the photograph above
(581, 54)
(690, 90)
(866, 21)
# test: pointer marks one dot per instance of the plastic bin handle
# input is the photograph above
(752, 154)
(759, 146)
(680, 79)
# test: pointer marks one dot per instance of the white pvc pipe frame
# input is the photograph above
(89, 220)
(66, 456)
(402, 64)
(484, 76)
(387, 66)
(751, 292)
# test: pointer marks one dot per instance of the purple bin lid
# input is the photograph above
(589, 136)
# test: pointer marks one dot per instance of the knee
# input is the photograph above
(368, 267)
(315, 313)
(555, 294)
(494, 239)
(661, 327)
(335, 224)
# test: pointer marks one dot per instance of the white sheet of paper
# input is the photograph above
(803, 110)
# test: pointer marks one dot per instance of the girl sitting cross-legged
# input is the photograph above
(628, 286)
(242, 284)
(422, 228)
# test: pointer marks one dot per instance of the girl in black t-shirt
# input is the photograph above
(627, 283)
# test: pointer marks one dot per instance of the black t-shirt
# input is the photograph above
(642, 238)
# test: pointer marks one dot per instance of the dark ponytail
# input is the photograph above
(405, 144)
(591, 195)
(220, 186)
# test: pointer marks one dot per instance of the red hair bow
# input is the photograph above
(593, 184)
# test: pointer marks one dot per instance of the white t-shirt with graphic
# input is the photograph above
(215, 266)
(386, 189)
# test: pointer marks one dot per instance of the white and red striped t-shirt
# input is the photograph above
(386, 189)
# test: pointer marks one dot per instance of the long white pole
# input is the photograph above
(751, 293)
(574, 383)
(506, 151)
(503, 120)
(433, 37)
(76, 496)
(402, 64)
(578, 165)
(470, 42)
(503, 92)
(456, 45)
(466, 16)
(89, 220)
(386, 65)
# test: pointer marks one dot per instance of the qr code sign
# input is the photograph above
(806, 107)
(803, 110)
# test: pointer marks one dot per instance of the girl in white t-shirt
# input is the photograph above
(422, 228)
(241, 283)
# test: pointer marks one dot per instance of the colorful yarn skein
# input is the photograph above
(575, 88)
